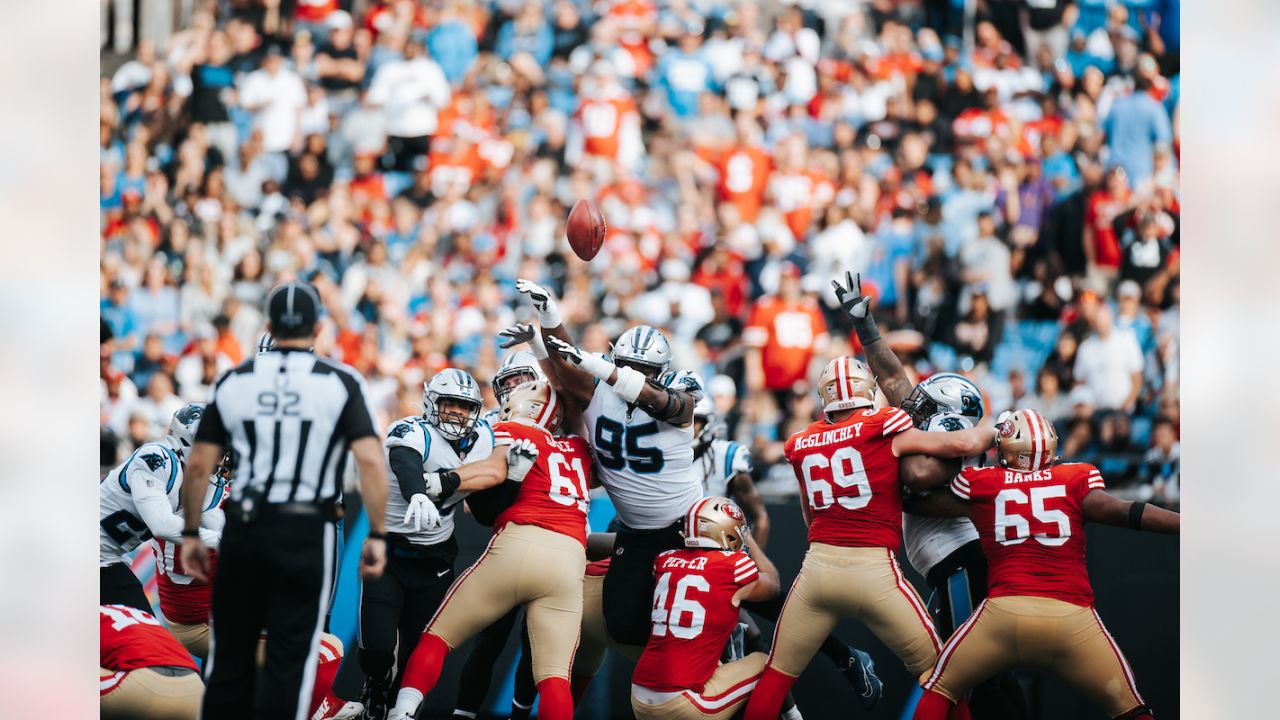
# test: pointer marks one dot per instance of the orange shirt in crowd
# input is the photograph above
(788, 334)
(602, 120)
(798, 195)
(744, 176)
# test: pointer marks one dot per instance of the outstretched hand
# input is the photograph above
(850, 296)
(516, 335)
(569, 353)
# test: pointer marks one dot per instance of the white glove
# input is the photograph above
(584, 361)
(434, 485)
(521, 455)
(543, 302)
(422, 514)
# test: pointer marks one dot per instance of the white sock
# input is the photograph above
(792, 714)
(408, 700)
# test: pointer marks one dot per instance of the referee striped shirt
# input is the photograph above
(290, 417)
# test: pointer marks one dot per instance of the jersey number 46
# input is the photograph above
(676, 612)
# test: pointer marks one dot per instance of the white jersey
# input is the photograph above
(929, 540)
(438, 454)
(645, 465)
(718, 465)
(139, 500)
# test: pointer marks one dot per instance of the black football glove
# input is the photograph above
(858, 306)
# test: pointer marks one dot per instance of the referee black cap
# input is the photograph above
(293, 308)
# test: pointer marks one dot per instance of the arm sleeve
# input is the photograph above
(153, 507)
(406, 465)
(211, 428)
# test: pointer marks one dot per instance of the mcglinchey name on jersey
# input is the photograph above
(829, 437)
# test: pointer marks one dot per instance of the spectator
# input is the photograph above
(528, 34)
(1130, 315)
(783, 334)
(1136, 127)
(1146, 252)
(275, 95)
(685, 75)
(197, 370)
(985, 263)
(1101, 246)
(452, 43)
(411, 93)
(1161, 464)
(339, 67)
(1109, 363)
(978, 332)
(1049, 399)
(159, 403)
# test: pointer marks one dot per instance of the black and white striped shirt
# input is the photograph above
(290, 417)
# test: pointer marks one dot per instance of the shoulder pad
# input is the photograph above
(408, 432)
(681, 380)
(154, 460)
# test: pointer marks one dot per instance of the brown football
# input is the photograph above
(585, 229)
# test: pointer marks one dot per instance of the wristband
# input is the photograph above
(1135, 514)
(550, 317)
(599, 367)
(377, 536)
(629, 384)
(449, 482)
(866, 330)
(538, 347)
(191, 533)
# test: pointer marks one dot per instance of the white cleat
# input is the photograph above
(399, 715)
(349, 711)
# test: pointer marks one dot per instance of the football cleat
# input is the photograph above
(348, 711)
(861, 674)
(374, 703)
(399, 715)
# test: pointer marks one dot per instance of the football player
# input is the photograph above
(1030, 516)
(638, 416)
(847, 466)
(945, 550)
(695, 609)
(536, 558)
(144, 673)
(138, 500)
(421, 548)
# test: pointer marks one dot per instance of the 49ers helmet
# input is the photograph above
(1027, 441)
(846, 383)
(715, 523)
(532, 403)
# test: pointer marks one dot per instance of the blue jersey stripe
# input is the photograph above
(173, 472)
(728, 460)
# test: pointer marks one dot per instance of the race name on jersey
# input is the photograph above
(693, 615)
(1031, 525)
(556, 492)
(849, 474)
(437, 453)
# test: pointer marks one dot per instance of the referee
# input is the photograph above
(290, 418)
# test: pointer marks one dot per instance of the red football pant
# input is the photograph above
(934, 705)
(555, 700)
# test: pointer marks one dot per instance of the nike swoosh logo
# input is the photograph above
(442, 573)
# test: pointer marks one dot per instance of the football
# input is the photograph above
(585, 229)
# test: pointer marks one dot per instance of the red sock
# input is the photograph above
(326, 671)
(425, 663)
(555, 699)
(578, 685)
(933, 705)
(766, 699)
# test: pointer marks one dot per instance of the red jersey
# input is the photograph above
(183, 599)
(693, 615)
(1032, 528)
(788, 334)
(130, 639)
(744, 175)
(554, 495)
(850, 475)
(1099, 213)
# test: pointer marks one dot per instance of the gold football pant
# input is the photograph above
(195, 638)
(864, 583)
(724, 694)
(145, 694)
(523, 565)
(594, 641)
(1068, 640)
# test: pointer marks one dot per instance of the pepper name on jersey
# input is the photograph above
(849, 474)
(438, 454)
(693, 615)
(645, 464)
(719, 464)
(555, 494)
(1031, 525)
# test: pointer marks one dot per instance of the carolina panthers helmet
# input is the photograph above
(457, 385)
(533, 403)
(715, 523)
(704, 412)
(266, 343)
(944, 393)
(182, 427)
(643, 345)
(517, 364)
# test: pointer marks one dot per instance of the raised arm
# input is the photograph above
(668, 404)
(743, 490)
(884, 363)
(570, 381)
(1102, 507)
(528, 334)
(767, 585)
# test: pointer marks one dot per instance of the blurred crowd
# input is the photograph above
(1007, 185)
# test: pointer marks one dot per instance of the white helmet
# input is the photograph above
(704, 412)
(182, 427)
(643, 345)
(458, 385)
(945, 394)
(266, 343)
(520, 362)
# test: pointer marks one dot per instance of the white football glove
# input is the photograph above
(584, 361)
(422, 514)
(521, 455)
(543, 302)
